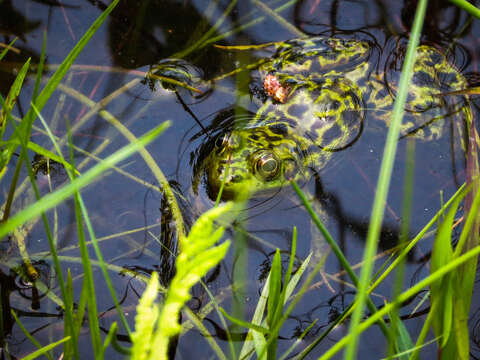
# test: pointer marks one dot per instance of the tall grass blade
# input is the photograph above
(45, 349)
(87, 272)
(20, 241)
(9, 46)
(398, 329)
(12, 96)
(335, 248)
(245, 324)
(442, 291)
(406, 295)
(46, 93)
(259, 342)
(92, 235)
(465, 5)
(384, 179)
(29, 336)
(65, 192)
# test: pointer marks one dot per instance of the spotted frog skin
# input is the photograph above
(327, 88)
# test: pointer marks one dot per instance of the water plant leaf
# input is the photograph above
(198, 254)
(460, 320)
(259, 341)
(145, 320)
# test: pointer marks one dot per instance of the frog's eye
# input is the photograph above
(221, 141)
(267, 166)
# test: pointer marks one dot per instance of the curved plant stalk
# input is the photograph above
(97, 108)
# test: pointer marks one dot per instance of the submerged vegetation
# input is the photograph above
(163, 315)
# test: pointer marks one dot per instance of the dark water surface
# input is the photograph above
(140, 34)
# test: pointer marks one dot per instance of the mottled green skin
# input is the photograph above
(334, 84)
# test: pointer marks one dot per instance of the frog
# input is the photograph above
(318, 94)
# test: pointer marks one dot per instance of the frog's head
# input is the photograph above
(252, 160)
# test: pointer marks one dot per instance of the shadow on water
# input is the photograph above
(130, 212)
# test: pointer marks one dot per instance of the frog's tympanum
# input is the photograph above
(320, 93)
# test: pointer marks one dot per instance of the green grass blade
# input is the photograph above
(465, 5)
(44, 96)
(296, 277)
(5, 51)
(298, 340)
(406, 295)
(400, 334)
(87, 271)
(416, 239)
(52, 84)
(28, 335)
(68, 348)
(403, 339)
(293, 251)
(65, 192)
(258, 339)
(336, 249)
(274, 305)
(89, 226)
(12, 96)
(275, 287)
(294, 303)
(441, 293)
(40, 67)
(259, 342)
(384, 179)
(68, 314)
(45, 349)
(464, 279)
(45, 153)
(245, 324)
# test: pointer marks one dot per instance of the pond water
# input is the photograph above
(130, 216)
